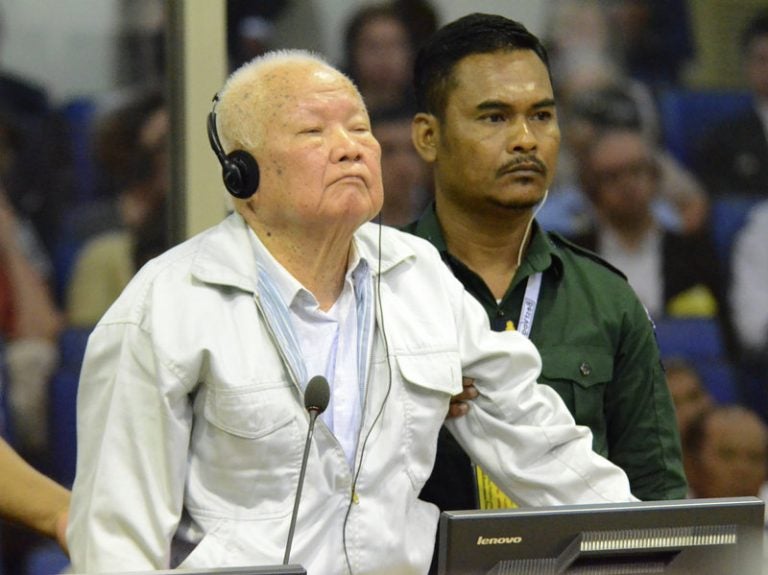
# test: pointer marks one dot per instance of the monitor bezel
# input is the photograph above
(746, 512)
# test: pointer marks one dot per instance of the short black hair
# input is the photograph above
(756, 28)
(472, 34)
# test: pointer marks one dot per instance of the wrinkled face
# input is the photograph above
(623, 176)
(383, 54)
(497, 145)
(757, 66)
(320, 164)
(733, 460)
(403, 171)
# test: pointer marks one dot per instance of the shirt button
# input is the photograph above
(585, 369)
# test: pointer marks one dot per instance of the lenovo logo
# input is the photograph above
(498, 540)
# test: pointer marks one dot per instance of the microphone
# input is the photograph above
(316, 397)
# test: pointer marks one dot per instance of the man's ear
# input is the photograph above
(425, 133)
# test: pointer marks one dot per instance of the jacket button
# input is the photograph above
(585, 369)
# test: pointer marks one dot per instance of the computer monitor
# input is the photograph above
(681, 537)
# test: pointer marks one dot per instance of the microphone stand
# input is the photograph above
(312, 416)
(316, 397)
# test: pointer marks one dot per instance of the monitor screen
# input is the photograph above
(688, 536)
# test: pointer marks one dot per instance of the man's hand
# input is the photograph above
(460, 402)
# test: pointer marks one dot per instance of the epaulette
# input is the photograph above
(566, 243)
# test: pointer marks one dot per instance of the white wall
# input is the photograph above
(65, 45)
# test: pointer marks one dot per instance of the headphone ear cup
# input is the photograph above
(241, 174)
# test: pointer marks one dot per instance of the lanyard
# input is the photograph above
(489, 496)
(530, 301)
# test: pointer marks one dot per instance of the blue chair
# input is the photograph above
(78, 114)
(694, 339)
(721, 380)
(700, 342)
(47, 559)
(686, 116)
(63, 400)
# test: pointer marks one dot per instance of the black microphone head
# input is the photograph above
(317, 394)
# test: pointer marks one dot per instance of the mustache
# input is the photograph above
(529, 162)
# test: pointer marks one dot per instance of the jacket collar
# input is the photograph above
(225, 256)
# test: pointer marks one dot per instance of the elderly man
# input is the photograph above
(191, 418)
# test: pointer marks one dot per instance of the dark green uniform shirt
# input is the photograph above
(599, 353)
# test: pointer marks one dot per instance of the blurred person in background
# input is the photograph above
(689, 395)
(580, 40)
(251, 28)
(421, 16)
(406, 176)
(733, 157)
(681, 203)
(596, 90)
(674, 275)
(34, 152)
(135, 153)
(378, 52)
(726, 453)
(30, 323)
(652, 39)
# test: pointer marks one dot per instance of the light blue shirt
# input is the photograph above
(333, 343)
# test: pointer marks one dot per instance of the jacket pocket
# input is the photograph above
(580, 376)
(251, 413)
(247, 452)
(429, 380)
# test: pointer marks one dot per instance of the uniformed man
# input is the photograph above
(488, 127)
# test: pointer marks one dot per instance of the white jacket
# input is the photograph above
(191, 428)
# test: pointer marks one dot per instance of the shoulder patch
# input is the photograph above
(565, 243)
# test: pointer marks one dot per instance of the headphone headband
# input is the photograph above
(239, 169)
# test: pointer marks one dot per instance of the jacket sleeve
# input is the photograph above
(133, 426)
(640, 416)
(521, 432)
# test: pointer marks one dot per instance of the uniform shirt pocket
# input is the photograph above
(580, 375)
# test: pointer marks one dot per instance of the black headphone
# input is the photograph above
(239, 169)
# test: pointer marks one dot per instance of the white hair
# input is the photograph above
(241, 99)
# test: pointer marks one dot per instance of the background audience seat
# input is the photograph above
(686, 115)
(699, 340)
(72, 342)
